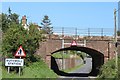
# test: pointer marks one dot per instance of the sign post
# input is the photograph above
(20, 53)
(19, 68)
(8, 69)
(16, 62)
(13, 62)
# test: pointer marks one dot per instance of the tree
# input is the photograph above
(46, 25)
(14, 18)
(118, 33)
(4, 22)
(16, 36)
(8, 19)
(12, 39)
(33, 39)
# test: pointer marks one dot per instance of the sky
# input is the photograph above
(82, 15)
(59, 0)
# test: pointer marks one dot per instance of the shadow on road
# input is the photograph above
(61, 73)
(55, 68)
(97, 62)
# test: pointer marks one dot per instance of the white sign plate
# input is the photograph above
(14, 62)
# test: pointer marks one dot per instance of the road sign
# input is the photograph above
(20, 52)
(74, 43)
(14, 62)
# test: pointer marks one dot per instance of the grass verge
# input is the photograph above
(35, 70)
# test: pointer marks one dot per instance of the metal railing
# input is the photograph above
(71, 31)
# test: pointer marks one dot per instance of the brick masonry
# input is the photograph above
(105, 45)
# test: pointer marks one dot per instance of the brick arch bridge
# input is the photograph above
(104, 45)
(97, 61)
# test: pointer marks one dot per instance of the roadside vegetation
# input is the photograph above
(108, 71)
(69, 53)
(61, 55)
(34, 70)
(118, 33)
(14, 36)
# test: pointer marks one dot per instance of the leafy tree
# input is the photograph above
(118, 33)
(16, 35)
(14, 18)
(8, 19)
(12, 39)
(46, 25)
(33, 39)
(4, 22)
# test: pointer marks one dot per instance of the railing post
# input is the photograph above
(108, 50)
(76, 34)
(62, 32)
(88, 32)
(102, 33)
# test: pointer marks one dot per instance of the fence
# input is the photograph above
(69, 31)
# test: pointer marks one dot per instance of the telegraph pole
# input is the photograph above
(63, 61)
(115, 37)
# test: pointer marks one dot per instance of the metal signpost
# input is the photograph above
(16, 62)
(13, 62)
(20, 53)
(115, 37)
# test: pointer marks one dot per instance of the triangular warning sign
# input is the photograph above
(74, 43)
(20, 52)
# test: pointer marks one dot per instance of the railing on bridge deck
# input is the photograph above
(71, 31)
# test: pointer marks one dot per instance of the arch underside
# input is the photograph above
(97, 61)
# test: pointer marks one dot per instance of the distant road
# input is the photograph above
(86, 68)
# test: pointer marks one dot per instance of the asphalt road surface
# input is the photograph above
(86, 68)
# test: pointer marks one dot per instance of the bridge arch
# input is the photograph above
(97, 61)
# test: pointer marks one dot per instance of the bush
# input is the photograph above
(108, 70)
(17, 36)
(118, 33)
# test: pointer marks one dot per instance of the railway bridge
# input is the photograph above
(104, 45)
(101, 49)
